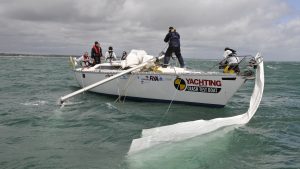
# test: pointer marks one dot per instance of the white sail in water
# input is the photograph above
(186, 130)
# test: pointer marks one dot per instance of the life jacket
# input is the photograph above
(110, 55)
(97, 50)
(86, 61)
(230, 56)
(124, 56)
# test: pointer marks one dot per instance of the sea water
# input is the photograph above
(95, 131)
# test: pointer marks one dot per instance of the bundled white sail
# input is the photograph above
(136, 57)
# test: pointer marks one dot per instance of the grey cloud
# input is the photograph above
(67, 11)
(206, 26)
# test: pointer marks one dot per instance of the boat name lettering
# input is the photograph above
(203, 82)
(197, 85)
(152, 78)
(202, 89)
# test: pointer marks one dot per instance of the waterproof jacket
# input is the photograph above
(96, 52)
(110, 56)
(173, 38)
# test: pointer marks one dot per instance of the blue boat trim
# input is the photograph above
(228, 78)
(141, 99)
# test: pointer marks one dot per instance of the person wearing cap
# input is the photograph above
(96, 53)
(173, 38)
(230, 61)
(110, 54)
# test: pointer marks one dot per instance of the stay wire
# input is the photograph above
(127, 85)
(125, 89)
(170, 104)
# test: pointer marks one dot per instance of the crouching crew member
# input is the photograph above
(84, 60)
(110, 54)
(173, 38)
(231, 61)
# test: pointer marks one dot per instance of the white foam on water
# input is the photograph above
(35, 103)
(69, 103)
(186, 130)
(110, 106)
(271, 67)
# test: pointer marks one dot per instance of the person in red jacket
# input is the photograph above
(84, 60)
(96, 53)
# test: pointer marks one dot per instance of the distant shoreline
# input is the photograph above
(32, 55)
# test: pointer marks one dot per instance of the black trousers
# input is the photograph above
(168, 54)
(97, 60)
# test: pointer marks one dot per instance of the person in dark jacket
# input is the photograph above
(124, 55)
(96, 53)
(173, 38)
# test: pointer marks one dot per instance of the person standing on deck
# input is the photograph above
(173, 38)
(96, 53)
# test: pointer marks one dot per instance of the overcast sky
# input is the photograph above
(206, 26)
